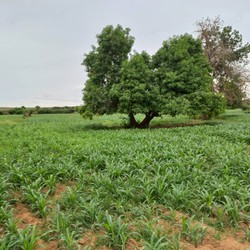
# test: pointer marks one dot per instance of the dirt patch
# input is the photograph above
(51, 245)
(228, 243)
(132, 244)
(25, 217)
(90, 238)
(60, 189)
(166, 228)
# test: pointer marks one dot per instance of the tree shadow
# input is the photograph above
(225, 117)
(188, 124)
(100, 126)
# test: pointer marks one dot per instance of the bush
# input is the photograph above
(85, 113)
(206, 105)
(17, 111)
(246, 105)
(56, 110)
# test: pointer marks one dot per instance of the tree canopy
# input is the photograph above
(228, 57)
(103, 65)
(164, 83)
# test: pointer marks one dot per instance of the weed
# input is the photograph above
(157, 243)
(247, 234)
(51, 183)
(27, 238)
(195, 233)
(61, 221)
(68, 239)
(117, 232)
(36, 199)
(5, 212)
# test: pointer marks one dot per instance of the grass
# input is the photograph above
(120, 179)
(10, 120)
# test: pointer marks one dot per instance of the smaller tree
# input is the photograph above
(228, 57)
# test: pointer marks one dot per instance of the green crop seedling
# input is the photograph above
(151, 188)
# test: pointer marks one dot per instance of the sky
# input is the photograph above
(43, 42)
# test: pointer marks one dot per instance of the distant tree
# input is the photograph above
(228, 57)
(156, 85)
(56, 110)
(17, 110)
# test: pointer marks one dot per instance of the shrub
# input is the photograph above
(206, 105)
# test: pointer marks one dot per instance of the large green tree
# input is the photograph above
(164, 83)
(228, 57)
(103, 65)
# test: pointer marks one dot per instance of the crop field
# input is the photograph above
(69, 183)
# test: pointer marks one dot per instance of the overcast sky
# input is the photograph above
(43, 42)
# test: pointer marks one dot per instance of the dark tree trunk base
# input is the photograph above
(144, 123)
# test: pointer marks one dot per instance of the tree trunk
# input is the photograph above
(148, 118)
(145, 122)
(132, 122)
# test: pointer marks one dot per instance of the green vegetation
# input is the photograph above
(155, 188)
(37, 110)
(166, 83)
(246, 105)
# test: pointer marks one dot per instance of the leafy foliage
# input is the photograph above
(153, 86)
(206, 105)
(103, 65)
(181, 67)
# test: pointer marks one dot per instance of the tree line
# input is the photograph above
(37, 110)
(187, 75)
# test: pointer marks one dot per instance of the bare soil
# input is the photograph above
(25, 217)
